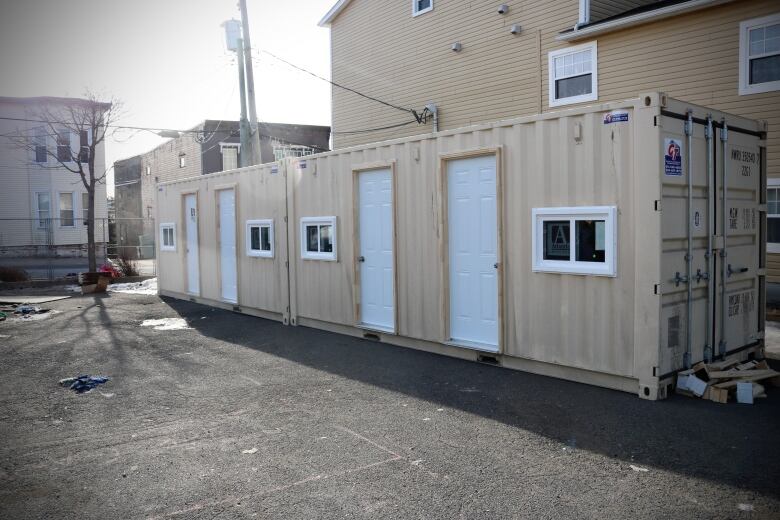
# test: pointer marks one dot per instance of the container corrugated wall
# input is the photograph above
(605, 330)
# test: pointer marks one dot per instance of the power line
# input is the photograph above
(368, 130)
(418, 117)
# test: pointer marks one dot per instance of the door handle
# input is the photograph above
(361, 259)
(731, 271)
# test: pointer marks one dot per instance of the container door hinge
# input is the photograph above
(657, 205)
(287, 263)
(655, 120)
(657, 289)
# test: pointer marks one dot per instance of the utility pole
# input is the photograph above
(250, 84)
(245, 156)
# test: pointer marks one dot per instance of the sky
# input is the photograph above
(165, 60)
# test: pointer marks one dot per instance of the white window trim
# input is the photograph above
(59, 209)
(744, 63)
(38, 209)
(269, 223)
(85, 210)
(772, 247)
(223, 145)
(607, 213)
(593, 96)
(415, 12)
(309, 255)
(167, 225)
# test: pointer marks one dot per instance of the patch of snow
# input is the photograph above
(32, 317)
(639, 469)
(166, 324)
(249, 452)
(73, 288)
(745, 507)
(146, 287)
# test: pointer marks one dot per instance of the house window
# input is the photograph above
(229, 157)
(182, 161)
(759, 55)
(148, 170)
(43, 208)
(39, 141)
(318, 238)
(260, 238)
(63, 145)
(84, 146)
(579, 240)
(573, 75)
(773, 216)
(149, 212)
(421, 6)
(66, 209)
(85, 208)
(168, 237)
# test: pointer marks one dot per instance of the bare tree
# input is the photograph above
(87, 120)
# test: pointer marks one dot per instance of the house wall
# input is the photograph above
(694, 56)
(21, 178)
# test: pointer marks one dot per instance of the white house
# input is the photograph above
(43, 205)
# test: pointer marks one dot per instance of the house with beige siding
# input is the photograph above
(43, 205)
(479, 62)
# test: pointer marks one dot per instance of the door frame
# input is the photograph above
(184, 195)
(356, 286)
(444, 160)
(218, 217)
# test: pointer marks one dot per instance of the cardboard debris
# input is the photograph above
(721, 380)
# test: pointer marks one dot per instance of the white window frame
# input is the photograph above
(260, 223)
(606, 213)
(230, 146)
(167, 225)
(40, 139)
(745, 88)
(319, 221)
(73, 209)
(594, 95)
(38, 209)
(416, 12)
(772, 247)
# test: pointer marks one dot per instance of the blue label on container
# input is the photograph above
(615, 117)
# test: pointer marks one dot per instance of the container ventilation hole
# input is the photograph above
(648, 101)
(491, 360)
(371, 337)
(647, 391)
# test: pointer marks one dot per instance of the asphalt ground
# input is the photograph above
(239, 417)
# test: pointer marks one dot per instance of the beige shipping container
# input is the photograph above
(591, 244)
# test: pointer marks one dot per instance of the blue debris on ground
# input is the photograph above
(83, 384)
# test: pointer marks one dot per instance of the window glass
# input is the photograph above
(44, 208)
(556, 240)
(168, 236)
(763, 70)
(41, 155)
(772, 202)
(326, 239)
(590, 240)
(422, 4)
(66, 209)
(84, 146)
(85, 207)
(63, 145)
(229, 157)
(254, 238)
(574, 86)
(312, 239)
(773, 229)
(265, 238)
(182, 161)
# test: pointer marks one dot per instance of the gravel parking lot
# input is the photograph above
(239, 417)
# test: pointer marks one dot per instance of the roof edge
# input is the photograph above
(333, 13)
(631, 19)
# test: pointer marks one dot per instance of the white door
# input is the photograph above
(191, 223)
(227, 245)
(376, 250)
(473, 245)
